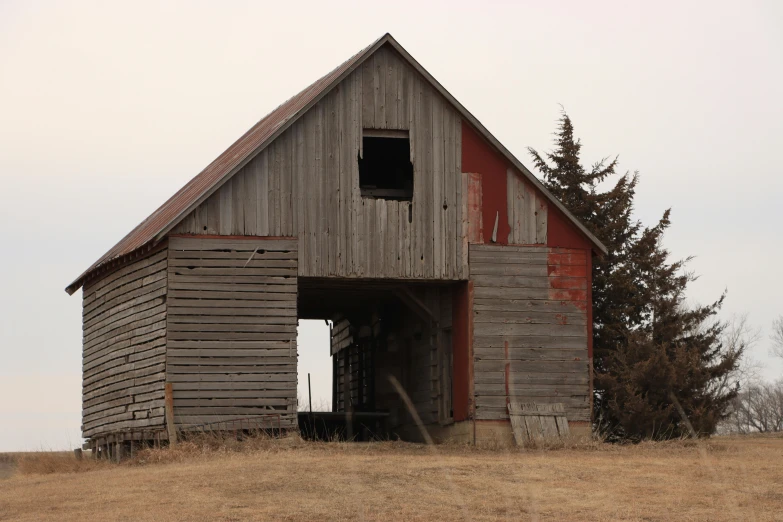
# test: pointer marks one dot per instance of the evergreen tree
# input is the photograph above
(652, 354)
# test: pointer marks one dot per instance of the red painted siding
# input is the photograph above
(479, 157)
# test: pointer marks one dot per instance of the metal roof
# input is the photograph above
(168, 215)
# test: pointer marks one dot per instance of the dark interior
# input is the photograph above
(386, 170)
(392, 340)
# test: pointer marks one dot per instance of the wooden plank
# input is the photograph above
(170, 427)
(248, 244)
(530, 366)
(541, 218)
(438, 174)
(513, 306)
(555, 318)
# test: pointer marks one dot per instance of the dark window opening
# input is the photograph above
(386, 170)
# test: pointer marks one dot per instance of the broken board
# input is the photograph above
(537, 422)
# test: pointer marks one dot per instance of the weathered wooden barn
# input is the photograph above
(373, 199)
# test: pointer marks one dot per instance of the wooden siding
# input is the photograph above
(124, 344)
(530, 328)
(232, 330)
(306, 183)
(527, 211)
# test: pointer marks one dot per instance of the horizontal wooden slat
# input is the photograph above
(232, 344)
(233, 377)
(512, 329)
(490, 365)
(189, 336)
(185, 281)
(272, 380)
(209, 292)
(280, 326)
(247, 263)
(529, 305)
(530, 354)
(178, 244)
(531, 378)
(217, 303)
(497, 317)
(291, 272)
(232, 254)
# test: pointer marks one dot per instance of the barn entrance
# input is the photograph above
(391, 356)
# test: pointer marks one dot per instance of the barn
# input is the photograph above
(453, 280)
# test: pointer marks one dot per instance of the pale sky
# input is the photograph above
(107, 108)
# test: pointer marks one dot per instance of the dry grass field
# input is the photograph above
(720, 479)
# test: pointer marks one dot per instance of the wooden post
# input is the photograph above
(172, 430)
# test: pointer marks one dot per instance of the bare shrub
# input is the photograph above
(777, 337)
(757, 409)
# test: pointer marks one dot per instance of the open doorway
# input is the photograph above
(312, 342)
(390, 346)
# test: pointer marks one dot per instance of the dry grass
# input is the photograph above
(722, 479)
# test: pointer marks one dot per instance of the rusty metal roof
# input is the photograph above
(256, 139)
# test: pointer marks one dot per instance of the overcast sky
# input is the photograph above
(107, 108)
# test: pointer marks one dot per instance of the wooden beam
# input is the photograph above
(170, 428)
(415, 304)
(385, 133)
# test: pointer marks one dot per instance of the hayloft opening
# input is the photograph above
(385, 168)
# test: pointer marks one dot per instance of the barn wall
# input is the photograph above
(124, 343)
(232, 330)
(530, 328)
(306, 183)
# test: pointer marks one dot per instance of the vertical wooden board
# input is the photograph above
(328, 186)
(510, 205)
(262, 193)
(272, 194)
(371, 236)
(520, 211)
(391, 91)
(392, 249)
(406, 232)
(213, 213)
(475, 211)
(419, 185)
(530, 214)
(299, 201)
(279, 158)
(286, 171)
(402, 101)
(202, 218)
(450, 200)
(541, 219)
(437, 187)
(379, 253)
(238, 199)
(342, 210)
(318, 175)
(367, 102)
(226, 212)
(309, 212)
(353, 145)
(250, 199)
(380, 88)
(462, 244)
(426, 159)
